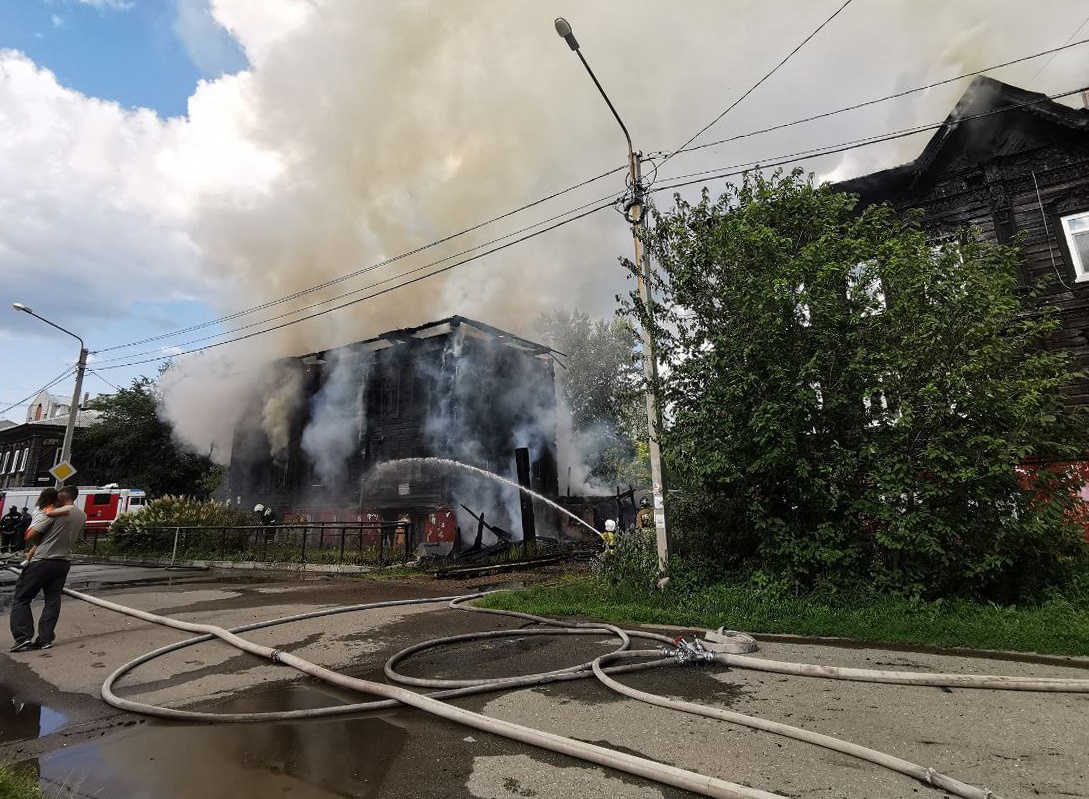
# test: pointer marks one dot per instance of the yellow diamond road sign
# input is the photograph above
(63, 470)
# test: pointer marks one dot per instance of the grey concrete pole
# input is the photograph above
(73, 411)
(650, 373)
(81, 367)
(650, 352)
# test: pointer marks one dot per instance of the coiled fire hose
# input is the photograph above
(643, 767)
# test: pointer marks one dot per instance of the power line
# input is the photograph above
(104, 380)
(702, 177)
(886, 98)
(760, 82)
(364, 270)
(1047, 64)
(739, 168)
(66, 373)
(534, 203)
(302, 309)
(380, 292)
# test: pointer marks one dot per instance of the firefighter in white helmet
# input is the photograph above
(609, 536)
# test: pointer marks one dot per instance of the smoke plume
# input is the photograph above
(377, 127)
(336, 427)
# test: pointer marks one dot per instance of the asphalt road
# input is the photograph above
(52, 719)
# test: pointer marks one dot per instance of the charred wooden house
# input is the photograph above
(324, 423)
(1011, 163)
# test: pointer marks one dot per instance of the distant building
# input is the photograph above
(455, 388)
(1011, 163)
(47, 406)
(28, 451)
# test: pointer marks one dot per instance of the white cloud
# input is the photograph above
(57, 20)
(97, 199)
(209, 45)
(111, 5)
(363, 129)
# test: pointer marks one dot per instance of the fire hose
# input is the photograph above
(675, 651)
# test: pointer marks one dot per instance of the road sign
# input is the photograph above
(62, 471)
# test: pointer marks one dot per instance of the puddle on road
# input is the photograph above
(305, 760)
(23, 721)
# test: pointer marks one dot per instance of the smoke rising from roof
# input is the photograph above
(382, 126)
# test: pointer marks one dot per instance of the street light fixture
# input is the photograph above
(633, 212)
(81, 366)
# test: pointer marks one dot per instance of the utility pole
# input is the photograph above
(81, 367)
(73, 411)
(635, 213)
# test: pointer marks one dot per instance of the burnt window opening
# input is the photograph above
(389, 397)
(1076, 230)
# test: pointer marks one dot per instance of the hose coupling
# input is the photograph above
(686, 652)
(275, 656)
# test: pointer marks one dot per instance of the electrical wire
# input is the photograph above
(378, 293)
(650, 183)
(66, 373)
(1047, 64)
(104, 380)
(759, 83)
(361, 289)
(886, 98)
(364, 270)
(701, 177)
(736, 169)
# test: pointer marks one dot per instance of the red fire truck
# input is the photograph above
(102, 505)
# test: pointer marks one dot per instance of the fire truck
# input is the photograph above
(102, 505)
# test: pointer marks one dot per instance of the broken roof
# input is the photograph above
(442, 327)
(984, 98)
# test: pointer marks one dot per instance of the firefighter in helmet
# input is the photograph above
(644, 518)
(609, 536)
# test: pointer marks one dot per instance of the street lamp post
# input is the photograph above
(634, 211)
(81, 366)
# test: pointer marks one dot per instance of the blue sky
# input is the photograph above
(155, 174)
(139, 54)
(130, 52)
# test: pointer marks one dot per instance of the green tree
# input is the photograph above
(848, 403)
(131, 445)
(599, 379)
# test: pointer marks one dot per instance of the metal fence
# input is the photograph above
(355, 543)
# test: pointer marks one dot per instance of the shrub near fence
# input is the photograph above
(318, 543)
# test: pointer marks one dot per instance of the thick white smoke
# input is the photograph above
(335, 429)
(283, 401)
(371, 128)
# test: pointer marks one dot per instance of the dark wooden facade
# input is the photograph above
(1011, 163)
(28, 452)
(456, 389)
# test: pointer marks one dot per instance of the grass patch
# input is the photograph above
(16, 785)
(1058, 626)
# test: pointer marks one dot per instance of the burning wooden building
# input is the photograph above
(455, 389)
(1011, 163)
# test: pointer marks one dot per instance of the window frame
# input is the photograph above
(1081, 271)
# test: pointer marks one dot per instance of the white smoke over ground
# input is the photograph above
(362, 129)
(335, 429)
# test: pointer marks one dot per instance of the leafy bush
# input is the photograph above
(633, 561)
(850, 406)
(137, 531)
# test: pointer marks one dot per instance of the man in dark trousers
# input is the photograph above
(9, 529)
(46, 574)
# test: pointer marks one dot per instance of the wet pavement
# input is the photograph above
(52, 722)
